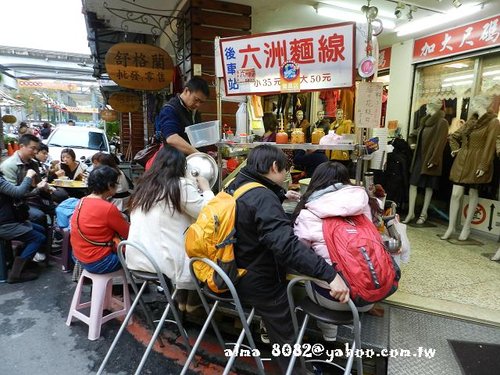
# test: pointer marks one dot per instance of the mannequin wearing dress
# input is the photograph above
(473, 147)
(340, 126)
(427, 162)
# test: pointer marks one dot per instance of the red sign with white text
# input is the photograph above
(471, 37)
(384, 58)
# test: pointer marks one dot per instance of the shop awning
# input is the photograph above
(8, 101)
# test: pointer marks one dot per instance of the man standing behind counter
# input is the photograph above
(180, 112)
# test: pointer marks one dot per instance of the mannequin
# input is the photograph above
(340, 126)
(496, 256)
(320, 116)
(473, 147)
(303, 123)
(427, 162)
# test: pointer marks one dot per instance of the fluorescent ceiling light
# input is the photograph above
(437, 19)
(356, 8)
(497, 78)
(348, 15)
(458, 83)
(491, 73)
(457, 65)
(458, 78)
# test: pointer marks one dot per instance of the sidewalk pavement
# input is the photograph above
(34, 338)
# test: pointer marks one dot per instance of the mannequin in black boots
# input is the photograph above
(14, 225)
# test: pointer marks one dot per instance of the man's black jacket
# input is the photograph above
(266, 245)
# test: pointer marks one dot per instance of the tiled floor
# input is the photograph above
(458, 280)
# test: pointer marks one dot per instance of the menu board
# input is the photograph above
(368, 107)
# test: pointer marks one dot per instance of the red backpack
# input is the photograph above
(359, 256)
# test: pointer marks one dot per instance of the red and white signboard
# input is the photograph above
(486, 217)
(471, 37)
(325, 56)
(384, 58)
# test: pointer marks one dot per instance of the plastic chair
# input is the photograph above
(229, 297)
(64, 259)
(134, 276)
(102, 298)
(311, 309)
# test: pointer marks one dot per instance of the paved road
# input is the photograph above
(34, 338)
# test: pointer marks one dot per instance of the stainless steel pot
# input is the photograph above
(201, 164)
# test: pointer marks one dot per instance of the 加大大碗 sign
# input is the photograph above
(139, 66)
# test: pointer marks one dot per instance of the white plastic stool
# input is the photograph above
(102, 298)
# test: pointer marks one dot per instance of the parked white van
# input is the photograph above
(85, 141)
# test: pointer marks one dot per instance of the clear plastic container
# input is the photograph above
(204, 133)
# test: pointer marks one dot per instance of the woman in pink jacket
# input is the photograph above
(330, 193)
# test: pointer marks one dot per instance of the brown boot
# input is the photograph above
(181, 298)
(193, 301)
(16, 274)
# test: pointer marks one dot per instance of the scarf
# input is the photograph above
(319, 193)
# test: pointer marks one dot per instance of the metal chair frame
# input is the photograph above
(245, 319)
(299, 334)
(145, 278)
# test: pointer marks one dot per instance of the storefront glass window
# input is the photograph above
(490, 77)
(454, 83)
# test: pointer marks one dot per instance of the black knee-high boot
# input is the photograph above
(16, 274)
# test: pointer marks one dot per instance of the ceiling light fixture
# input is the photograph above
(355, 7)
(457, 3)
(458, 78)
(412, 9)
(347, 15)
(437, 19)
(457, 65)
(398, 12)
(457, 83)
(491, 73)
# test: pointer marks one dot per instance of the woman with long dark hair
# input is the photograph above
(330, 193)
(164, 204)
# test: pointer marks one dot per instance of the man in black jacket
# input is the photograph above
(180, 112)
(266, 246)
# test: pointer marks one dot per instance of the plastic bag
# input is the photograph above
(241, 119)
(405, 242)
